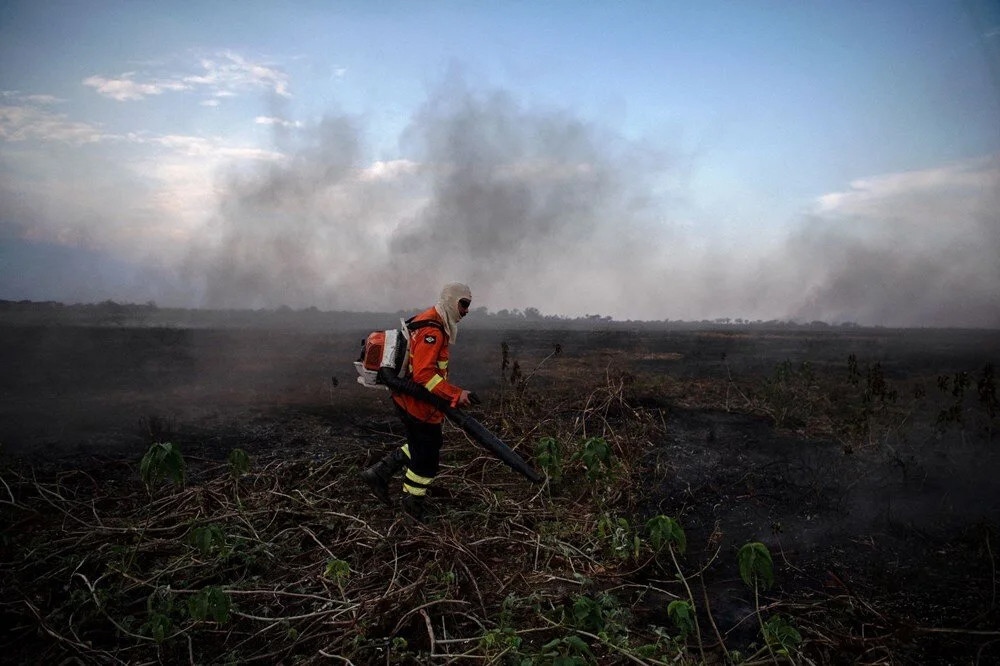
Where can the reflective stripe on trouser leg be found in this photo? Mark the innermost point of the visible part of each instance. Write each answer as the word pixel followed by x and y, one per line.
pixel 415 484
pixel 424 448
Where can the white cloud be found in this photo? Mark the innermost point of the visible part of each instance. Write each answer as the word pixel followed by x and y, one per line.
pixel 44 99
pixel 880 196
pixel 23 123
pixel 125 89
pixel 270 120
pixel 228 71
pixel 916 209
pixel 388 170
pixel 197 146
pixel 223 75
pixel 20 97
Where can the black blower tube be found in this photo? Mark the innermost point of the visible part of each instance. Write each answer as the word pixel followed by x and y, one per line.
pixel 470 425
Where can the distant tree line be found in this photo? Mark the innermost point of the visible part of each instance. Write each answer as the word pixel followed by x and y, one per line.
pixel 111 313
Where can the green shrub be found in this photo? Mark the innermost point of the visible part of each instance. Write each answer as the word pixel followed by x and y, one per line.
pixel 162 460
pixel 337 570
pixel 548 455
pixel 681 613
pixel 239 463
pixel 209 539
pixel 755 565
pixel 664 531
pixel 211 603
pixel 596 458
pixel 781 636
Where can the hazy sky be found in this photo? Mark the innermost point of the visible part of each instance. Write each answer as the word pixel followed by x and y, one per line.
pixel 647 160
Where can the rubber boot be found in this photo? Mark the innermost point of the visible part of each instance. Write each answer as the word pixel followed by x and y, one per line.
pixel 378 475
pixel 415 506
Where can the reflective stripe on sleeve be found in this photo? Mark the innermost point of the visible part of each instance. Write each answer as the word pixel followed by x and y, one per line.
pixel 434 381
pixel 406 450
pixel 442 365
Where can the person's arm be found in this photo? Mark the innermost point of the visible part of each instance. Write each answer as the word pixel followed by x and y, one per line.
pixel 425 351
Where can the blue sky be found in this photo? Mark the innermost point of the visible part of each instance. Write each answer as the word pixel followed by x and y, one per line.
pixel 683 159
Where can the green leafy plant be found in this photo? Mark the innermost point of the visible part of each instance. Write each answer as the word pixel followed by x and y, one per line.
pixel 665 531
pixel 595 454
pixel 781 636
pixel 209 539
pixel 618 534
pixel 157 627
pixel 757 570
pixel 504 639
pixel 548 455
pixel 681 613
pixel 756 566
pixel 211 603
pixel 588 614
pixel 163 460
pixel 666 648
pixel 337 570
pixel 239 463
pixel 566 651
pixel 158 624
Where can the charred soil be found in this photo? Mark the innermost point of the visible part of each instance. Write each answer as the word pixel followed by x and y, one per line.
pixel 865 462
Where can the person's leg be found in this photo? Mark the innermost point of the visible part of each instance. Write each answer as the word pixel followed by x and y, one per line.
pixel 425 451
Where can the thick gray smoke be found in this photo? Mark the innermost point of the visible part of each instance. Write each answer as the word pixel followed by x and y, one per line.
pixel 531 208
pixel 913 250
pixel 538 209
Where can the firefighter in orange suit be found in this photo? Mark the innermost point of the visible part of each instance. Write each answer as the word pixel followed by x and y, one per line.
pixel 431 332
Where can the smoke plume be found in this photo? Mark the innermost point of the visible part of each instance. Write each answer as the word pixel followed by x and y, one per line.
pixel 531 208
pixel 537 208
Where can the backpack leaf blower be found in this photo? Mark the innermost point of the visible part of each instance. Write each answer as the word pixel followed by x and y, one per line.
pixel 383 365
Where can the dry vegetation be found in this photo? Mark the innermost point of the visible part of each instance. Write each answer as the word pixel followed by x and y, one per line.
pixel 277 559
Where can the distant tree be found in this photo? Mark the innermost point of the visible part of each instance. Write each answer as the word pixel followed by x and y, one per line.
pixel 112 312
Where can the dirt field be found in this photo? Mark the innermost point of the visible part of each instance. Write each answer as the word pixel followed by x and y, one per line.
pixel 866 461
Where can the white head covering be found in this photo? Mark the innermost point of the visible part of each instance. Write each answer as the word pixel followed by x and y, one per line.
pixel 447 306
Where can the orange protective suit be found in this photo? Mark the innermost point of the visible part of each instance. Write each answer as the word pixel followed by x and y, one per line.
pixel 428 366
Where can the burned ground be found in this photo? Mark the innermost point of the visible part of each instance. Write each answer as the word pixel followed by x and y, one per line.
pixel 865 460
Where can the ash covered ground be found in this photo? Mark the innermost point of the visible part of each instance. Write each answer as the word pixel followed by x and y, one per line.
pixel 866 460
